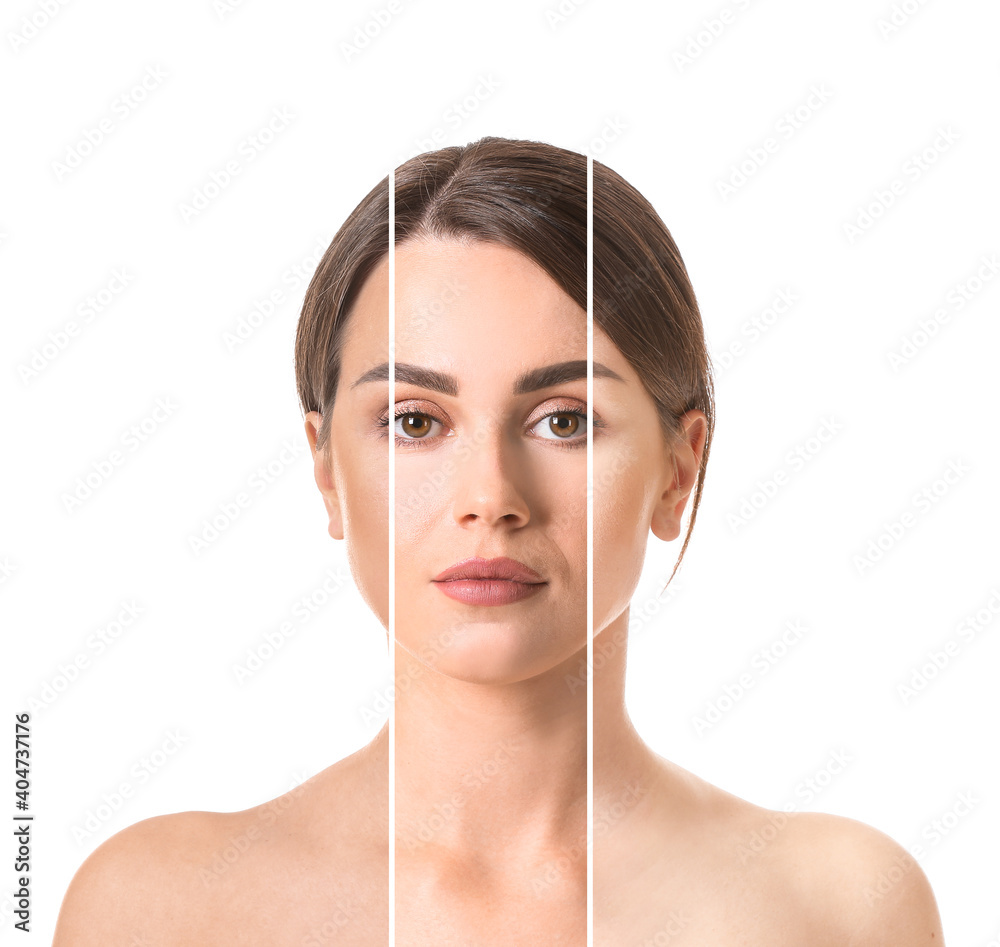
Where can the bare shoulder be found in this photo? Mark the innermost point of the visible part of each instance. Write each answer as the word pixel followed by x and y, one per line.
pixel 828 878
pixel 878 888
pixel 182 878
pixel 136 879
pixel 858 880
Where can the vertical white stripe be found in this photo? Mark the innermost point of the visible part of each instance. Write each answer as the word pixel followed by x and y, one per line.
pixel 392 557
pixel 590 550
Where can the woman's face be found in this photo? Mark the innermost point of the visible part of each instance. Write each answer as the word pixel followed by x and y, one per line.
pixel 490 459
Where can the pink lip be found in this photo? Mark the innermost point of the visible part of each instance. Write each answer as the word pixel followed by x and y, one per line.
pixel 489 581
pixel 509 570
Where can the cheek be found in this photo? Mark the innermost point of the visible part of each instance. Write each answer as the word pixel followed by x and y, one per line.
pixel 421 504
pixel 565 498
pixel 621 529
pixel 364 492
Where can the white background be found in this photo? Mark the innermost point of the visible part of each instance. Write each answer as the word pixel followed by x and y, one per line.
pixel 608 78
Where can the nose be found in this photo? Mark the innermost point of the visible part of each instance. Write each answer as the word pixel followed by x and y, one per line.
pixel 490 482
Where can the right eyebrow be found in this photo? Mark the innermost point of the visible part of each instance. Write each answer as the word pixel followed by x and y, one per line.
pixel 413 375
pixel 533 380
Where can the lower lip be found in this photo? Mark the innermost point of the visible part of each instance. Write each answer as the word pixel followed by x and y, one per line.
pixel 488 591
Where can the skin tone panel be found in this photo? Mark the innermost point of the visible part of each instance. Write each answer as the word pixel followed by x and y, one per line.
pixel 492 717
pixel 488 684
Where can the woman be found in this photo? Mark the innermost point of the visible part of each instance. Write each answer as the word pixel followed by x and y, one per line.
pixel 489 428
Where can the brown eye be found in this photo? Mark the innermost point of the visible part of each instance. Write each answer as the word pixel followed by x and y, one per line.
pixel 415 425
pixel 563 425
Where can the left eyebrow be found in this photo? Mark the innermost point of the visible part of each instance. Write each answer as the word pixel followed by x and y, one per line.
pixel 534 380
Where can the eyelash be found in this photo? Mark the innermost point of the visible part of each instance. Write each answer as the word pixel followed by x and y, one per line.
pixel 409 443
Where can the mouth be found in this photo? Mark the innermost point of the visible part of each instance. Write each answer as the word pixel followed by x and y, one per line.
pixel 500 581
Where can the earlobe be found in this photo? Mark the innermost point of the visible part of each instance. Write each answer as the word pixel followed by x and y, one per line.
pixel 684 462
pixel 323 474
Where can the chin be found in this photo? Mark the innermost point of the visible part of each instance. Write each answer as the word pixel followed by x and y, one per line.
pixel 494 652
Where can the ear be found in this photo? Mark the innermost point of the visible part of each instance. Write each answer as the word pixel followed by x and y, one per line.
pixel 682 465
pixel 323 472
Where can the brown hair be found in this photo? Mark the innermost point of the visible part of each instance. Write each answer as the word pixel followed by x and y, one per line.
pixel 531 197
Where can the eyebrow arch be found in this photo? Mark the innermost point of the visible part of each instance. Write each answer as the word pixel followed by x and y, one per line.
pixel 534 380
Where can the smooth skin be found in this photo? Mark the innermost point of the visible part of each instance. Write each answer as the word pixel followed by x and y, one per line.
pixel 491 704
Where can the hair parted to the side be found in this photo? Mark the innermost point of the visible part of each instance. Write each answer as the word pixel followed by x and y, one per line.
pixel 532 197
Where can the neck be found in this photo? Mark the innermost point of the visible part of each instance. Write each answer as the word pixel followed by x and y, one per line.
pixel 499 772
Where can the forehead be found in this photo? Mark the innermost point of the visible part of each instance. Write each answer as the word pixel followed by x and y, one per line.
pixel 445 288
pixel 480 311
pixel 481 298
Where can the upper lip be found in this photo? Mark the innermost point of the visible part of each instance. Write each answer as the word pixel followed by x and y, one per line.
pixel 500 568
